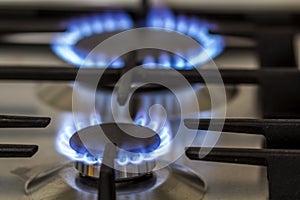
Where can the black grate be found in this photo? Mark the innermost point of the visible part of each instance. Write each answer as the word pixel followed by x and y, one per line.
pixel 281 159
pixel 16 150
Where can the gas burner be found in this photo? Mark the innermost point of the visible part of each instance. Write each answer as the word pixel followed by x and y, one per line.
pixel 136 176
pixel 174 181
pixel 65 45
pixel 89 123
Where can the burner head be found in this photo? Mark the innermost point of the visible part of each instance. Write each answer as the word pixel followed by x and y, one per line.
pixel 129 138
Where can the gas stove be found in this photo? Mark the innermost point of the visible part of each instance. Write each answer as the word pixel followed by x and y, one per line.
pixel 143 100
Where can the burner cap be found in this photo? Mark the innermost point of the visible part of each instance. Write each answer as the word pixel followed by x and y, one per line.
pixel 128 137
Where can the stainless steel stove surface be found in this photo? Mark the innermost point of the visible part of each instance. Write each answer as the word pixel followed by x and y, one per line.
pixel 225 181
pixel 50 174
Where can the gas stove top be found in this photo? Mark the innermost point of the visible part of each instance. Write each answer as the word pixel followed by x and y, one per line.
pixel 231 134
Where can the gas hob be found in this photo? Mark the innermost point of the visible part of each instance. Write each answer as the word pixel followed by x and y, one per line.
pixel 44 50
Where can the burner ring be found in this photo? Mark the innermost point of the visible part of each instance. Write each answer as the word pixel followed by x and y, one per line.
pixel 122 172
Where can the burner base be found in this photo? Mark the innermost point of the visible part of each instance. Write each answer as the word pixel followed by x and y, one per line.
pixel 172 182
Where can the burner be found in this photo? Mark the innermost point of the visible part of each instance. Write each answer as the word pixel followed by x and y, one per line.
pixel 67 45
pixel 91 142
pixel 173 181
pixel 92 122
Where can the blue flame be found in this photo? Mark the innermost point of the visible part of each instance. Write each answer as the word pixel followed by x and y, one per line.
pixel 64 44
pixel 124 158
pixel 64 135
pixel 164 61
pixel 149 62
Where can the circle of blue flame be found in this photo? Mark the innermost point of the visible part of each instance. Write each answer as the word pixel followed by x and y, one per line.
pixel 64 44
pixel 124 157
